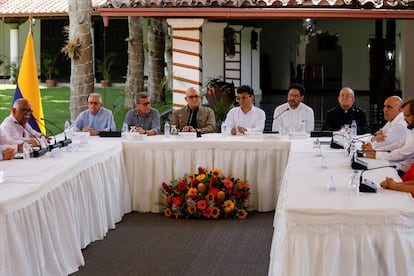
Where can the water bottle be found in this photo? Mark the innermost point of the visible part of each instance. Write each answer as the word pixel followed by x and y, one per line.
pixel 167 129
pixel 125 128
pixel 352 148
pixel 67 126
pixel 302 126
pixel 223 130
pixel 354 183
pixel 353 128
pixel 26 149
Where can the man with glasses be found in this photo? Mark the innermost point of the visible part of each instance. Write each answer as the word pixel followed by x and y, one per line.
pixel 145 119
pixel 245 117
pixel 16 126
pixel 96 118
pixel 194 117
pixel 401 151
pixel 345 113
pixel 288 116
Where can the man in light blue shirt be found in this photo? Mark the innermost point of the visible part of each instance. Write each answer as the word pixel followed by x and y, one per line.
pixel 96 118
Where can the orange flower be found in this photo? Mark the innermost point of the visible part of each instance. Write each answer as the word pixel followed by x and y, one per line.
pixel 221 195
pixel 190 176
pixel 228 206
pixel 216 172
pixel 202 188
pixel 192 192
pixel 215 212
pixel 242 214
pixel 191 209
pixel 178 201
pixel 242 184
pixel 167 212
pixel 207 212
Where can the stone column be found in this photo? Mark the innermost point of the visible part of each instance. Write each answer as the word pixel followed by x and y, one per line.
pixel 14 49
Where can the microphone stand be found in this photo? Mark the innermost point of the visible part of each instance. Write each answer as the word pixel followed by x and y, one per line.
pixel 367 186
pixel 64 142
pixel 52 146
pixel 35 152
pixel 280 114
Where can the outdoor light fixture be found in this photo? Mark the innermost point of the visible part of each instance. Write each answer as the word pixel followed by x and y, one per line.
pixel 389 55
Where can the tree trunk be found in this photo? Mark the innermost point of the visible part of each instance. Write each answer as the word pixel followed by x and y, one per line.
pixel 156 49
pixel 135 73
pixel 81 76
pixel 169 58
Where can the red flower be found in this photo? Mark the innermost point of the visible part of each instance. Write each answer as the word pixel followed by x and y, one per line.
pixel 165 187
pixel 202 204
pixel 202 170
pixel 168 199
pixel 207 212
pixel 177 201
pixel 237 195
pixel 182 186
pixel 214 191
pixel 194 182
pixel 245 195
pixel 213 181
pixel 228 183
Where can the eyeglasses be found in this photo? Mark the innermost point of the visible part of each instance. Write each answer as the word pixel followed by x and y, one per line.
pixel 145 104
pixel 294 96
pixel 26 110
pixel 193 97
pixel 238 98
pixel 346 96
pixel 94 103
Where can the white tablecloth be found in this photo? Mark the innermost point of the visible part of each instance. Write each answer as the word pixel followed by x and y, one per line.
pixel 317 232
pixel 51 208
pixel 155 160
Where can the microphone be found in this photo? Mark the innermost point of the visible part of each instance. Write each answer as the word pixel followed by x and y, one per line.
pixel 367 186
pixel 64 142
pixel 52 146
pixel 35 152
pixel 280 114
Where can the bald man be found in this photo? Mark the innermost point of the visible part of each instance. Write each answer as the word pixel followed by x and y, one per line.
pixel 194 117
pixel 396 126
pixel 345 113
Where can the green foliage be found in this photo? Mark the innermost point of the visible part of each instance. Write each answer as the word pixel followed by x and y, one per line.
pixel 48 65
pixel 104 66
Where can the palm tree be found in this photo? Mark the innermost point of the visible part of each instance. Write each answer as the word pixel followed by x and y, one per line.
pixel 135 73
pixel 156 62
pixel 81 76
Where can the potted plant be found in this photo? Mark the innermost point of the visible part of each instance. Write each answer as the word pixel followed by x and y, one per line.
pixel 104 67
pixel 220 97
pixel 48 68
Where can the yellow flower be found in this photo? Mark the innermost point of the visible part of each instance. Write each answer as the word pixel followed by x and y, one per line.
pixel 242 214
pixel 190 177
pixel 215 212
pixel 200 177
pixel 191 209
pixel 216 172
pixel 228 206
pixel 167 212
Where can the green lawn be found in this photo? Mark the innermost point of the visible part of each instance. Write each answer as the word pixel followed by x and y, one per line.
pixel 55 103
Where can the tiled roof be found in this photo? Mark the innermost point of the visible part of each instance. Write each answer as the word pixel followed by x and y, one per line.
pixel 16 8
pixel 259 3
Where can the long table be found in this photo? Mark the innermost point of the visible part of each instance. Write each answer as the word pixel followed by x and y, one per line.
pixel 317 232
pixel 51 208
pixel 261 161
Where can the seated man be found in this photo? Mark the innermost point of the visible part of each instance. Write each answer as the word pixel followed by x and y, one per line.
pixel 289 115
pixel 96 118
pixel 245 117
pixel 16 125
pixel 401 151
pixel 143 117
pixel 194 117
pixel 395 128
pixel 345 113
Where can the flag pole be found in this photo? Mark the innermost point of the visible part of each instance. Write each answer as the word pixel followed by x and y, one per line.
pixel 31 24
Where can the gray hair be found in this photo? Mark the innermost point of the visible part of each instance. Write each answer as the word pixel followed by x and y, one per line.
pixel 18 101
pixel 97 95
pixel 139 96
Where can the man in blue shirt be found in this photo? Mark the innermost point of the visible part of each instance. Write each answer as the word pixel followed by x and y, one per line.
pixel 145 119
pixel 96 118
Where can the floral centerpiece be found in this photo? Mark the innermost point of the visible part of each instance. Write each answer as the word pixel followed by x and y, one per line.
pixel 206 194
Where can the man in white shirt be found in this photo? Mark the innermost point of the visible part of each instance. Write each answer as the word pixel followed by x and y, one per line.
pixel 245 117
pixel 289 116
pixel 395 128
pixel 16 125
pixel 401 151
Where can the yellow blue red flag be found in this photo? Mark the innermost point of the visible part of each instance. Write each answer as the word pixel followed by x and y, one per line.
pixel 28 85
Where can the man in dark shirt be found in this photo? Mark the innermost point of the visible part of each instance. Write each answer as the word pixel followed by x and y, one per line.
pixel 345 112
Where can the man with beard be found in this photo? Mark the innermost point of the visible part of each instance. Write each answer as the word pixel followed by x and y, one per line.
pixel 289 116
pixel 401 151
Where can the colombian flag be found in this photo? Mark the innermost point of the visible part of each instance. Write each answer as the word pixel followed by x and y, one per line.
pixel 28 84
